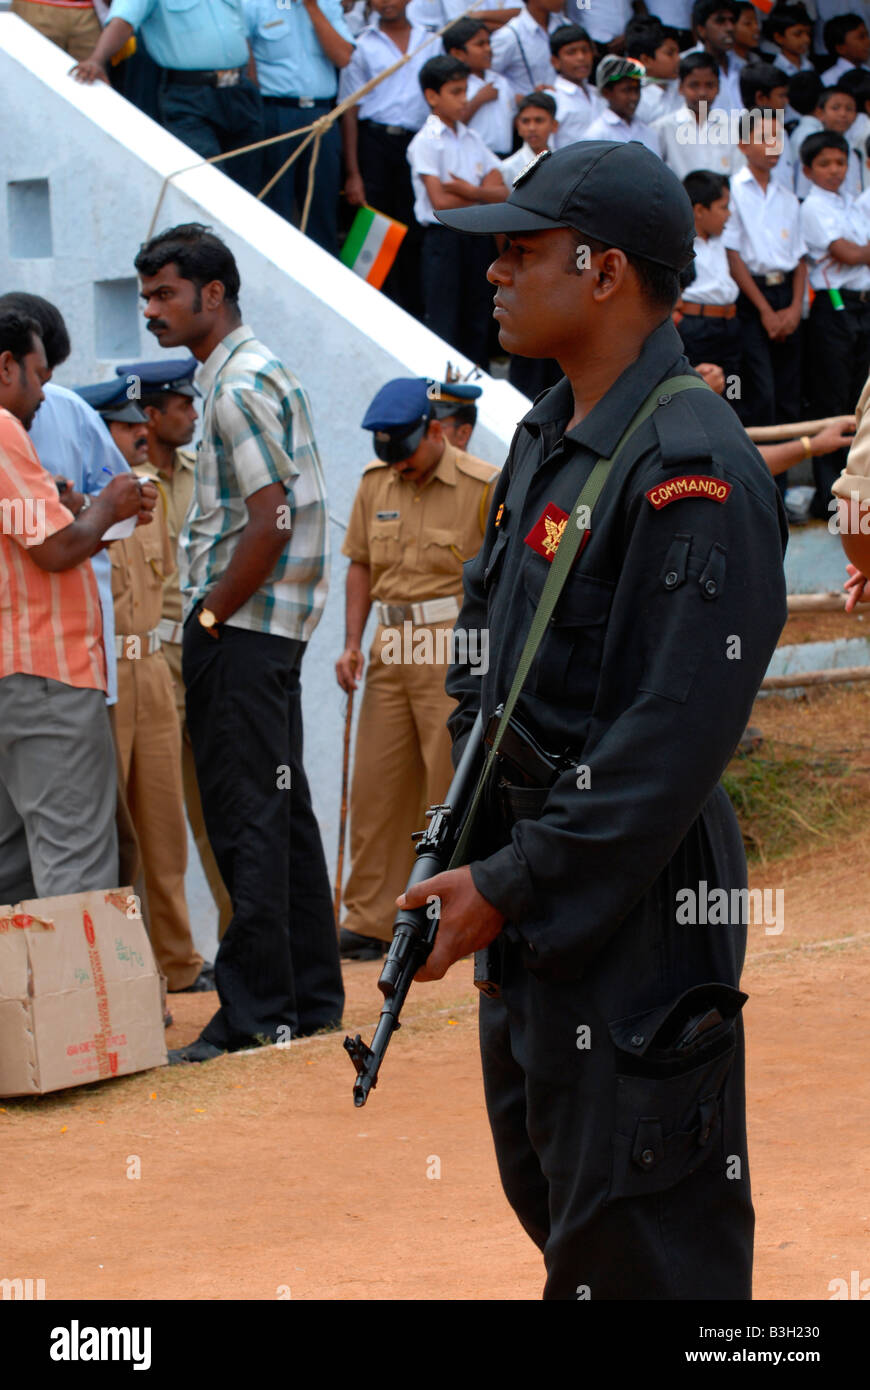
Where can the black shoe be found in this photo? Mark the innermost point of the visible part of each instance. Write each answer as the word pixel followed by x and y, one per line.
pixel 168 1020
pixel 198 1051
pixel 204 980
pixel 352 946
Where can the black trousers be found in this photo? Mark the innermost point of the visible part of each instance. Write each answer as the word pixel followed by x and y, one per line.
pixel 630 1174
pixel 838 360
pixel 214 120
pixel 771 372
pixel 457 296
pixel 288 194
pixel 386 174
pixel 714 340
pixel 277 967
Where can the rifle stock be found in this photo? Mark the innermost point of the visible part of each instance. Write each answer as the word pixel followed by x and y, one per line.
pixel 415 929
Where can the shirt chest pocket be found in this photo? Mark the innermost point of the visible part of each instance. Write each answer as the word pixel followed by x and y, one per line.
pixel 568 662
pixel 185 15
pixel 150 542
pixel 439 553
pixel 275 32
pixel 385 546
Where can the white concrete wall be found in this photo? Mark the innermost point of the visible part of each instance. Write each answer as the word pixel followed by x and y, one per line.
pixel 104 163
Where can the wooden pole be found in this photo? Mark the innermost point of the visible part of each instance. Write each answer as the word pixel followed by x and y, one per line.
pixel 342 825
pixel 770 434
pixel 833 677
pixel 815 603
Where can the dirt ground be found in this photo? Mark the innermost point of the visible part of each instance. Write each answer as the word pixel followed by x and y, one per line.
pixel 260 1180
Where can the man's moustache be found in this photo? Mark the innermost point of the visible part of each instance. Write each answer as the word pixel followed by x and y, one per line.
pixel 156 324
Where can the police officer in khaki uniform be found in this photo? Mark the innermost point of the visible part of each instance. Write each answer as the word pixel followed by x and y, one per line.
pixel 167 394
pixel 419 514
pixel 146 724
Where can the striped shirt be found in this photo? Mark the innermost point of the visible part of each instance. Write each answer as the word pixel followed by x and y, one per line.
pixel 50 624
pixel 256 430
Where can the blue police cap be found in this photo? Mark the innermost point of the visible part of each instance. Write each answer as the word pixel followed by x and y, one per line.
pixel 175 374
pixel 406 402
pixel 111 400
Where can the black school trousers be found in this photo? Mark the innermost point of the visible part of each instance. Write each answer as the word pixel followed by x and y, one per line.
pixel 277 968
pixel 714 340
pixel 838 360
pixel 771 372
pixel 457 297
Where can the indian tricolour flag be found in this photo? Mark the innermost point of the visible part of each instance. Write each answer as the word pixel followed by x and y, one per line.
pixel 372 244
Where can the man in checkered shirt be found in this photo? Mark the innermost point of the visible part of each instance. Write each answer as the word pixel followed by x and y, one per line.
pixel 253 559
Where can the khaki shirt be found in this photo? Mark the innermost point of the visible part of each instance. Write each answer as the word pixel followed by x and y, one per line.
pixel 140 565
pixel 855 477
pixel 415 540
pixel 176 491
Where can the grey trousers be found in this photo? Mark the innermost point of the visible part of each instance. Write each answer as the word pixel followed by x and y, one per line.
pixel 57 790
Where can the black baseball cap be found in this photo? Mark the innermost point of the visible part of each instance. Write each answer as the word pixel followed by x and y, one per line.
pixel 618 193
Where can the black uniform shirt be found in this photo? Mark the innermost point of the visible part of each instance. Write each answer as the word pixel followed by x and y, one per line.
pixel 654 654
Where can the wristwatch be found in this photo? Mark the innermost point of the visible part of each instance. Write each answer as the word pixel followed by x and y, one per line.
pixel 86 502
pixel 208 620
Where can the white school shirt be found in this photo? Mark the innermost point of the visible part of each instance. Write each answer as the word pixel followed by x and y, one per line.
pixel 863 203
pixel 438 150
pixel 576 109
pixel 764 226
pixel 658 99
pixel 516 162
pixel 602 19
pixel 831 76
pixel 824 218
pixel 683 150
pixel 609 126
pixel 857 138
pixel 713 282
pixel 494 121
pixel 398 100
pixel 674 14
pixel 521 51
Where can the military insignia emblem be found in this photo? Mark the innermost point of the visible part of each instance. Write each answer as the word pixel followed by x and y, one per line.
pixel 499 514
pixel 547 531
pixel 692 485
pixel 529 169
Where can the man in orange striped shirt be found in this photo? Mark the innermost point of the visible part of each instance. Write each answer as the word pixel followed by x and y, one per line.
pixel 57 760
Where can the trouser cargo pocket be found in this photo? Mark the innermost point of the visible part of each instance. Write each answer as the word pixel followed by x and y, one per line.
pixel 672 1064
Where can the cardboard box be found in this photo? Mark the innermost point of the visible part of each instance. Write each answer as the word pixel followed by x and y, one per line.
pixel 79 993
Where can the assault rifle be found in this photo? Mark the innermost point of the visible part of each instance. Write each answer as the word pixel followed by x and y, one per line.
pixel 414 929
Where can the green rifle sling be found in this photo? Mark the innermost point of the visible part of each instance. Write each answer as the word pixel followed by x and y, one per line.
pixel 569 544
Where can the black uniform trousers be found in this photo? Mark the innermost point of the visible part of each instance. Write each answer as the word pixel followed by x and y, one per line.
pixel 457 296
pixel 277 966
pixel 838 359
pixel 714 340
pixel 630 1174
pixel 383 164
pixel 214 120
pixel 283 114
pixel 770 374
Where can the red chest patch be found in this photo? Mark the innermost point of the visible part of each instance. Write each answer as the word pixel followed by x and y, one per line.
pixel 691 485
pixel 546 533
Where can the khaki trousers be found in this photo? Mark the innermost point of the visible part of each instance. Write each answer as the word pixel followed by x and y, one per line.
pixel 146 728
pixel 401 766
pixel 172 652
pixel 75 31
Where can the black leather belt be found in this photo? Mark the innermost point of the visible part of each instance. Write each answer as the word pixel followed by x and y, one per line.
pixel 390 129
pixel 855 296
pixel 212 77
pixel 304 102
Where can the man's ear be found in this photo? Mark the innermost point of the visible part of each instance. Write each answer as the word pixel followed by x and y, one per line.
pixel 611 272
pixel 7 363
pixel 151 413
pixel 463 434
pixel 213 295
pixel 435 432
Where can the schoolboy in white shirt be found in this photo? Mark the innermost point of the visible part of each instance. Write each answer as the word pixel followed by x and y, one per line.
pixel 837 235
pixel 491 107
pixel 697 136
pixel 708 302
pixel 618 80
pixel 451 167
pixel 578 101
